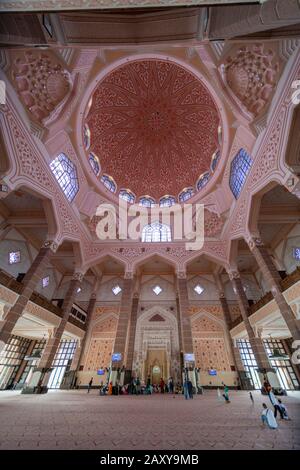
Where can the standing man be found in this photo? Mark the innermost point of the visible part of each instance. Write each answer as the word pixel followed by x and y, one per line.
pixel 186 390
pixel 190 388
pixel 90 384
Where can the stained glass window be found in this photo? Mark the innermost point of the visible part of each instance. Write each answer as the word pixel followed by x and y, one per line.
pixel 296 253
pixel 167 201
pixel 86 136
pixel 14 257
pixel 214 161
pixel 198 289
pixel 147 201
pixel 94 162
pixel 157 290
pixel 66 175
pixel 203 180
pixel 186 194
pixel 127 195
pixel 239 169
pixel 116 289
pixel 156 232
pixel 45 281
pixel 109 183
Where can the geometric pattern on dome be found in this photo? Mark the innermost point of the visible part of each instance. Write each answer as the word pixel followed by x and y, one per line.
pixel 154 126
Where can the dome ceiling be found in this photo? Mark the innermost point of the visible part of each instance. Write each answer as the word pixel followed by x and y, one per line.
pixel 153 126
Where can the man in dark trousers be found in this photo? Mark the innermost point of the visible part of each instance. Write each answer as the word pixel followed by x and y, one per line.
pixel 90 384
pixel 190 389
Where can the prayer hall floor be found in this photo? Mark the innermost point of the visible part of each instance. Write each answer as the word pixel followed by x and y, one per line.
pixel 78 420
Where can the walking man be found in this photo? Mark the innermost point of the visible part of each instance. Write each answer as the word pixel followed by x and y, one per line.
pixel 90 384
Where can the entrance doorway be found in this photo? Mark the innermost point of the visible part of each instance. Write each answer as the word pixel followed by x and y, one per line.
pixel 157 365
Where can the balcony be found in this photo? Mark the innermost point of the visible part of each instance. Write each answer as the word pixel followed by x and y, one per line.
pixel 11 283
pixel 285 283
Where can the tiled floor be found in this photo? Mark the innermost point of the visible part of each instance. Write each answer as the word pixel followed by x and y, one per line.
pixel 77 420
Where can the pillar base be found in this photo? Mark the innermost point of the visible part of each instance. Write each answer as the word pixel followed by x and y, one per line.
pixel 127 377
pixel 245 381
pixel 271 376
pixel 68 380
pixel 38 390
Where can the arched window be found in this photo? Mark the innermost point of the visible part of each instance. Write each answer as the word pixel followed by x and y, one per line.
pixel 220 134
pixel 109 183
pixel 94 162
pixel 127 195
pixel 147 201
pixel 186 194
pixel 66 174
pixel 215 159
pixel 156 232
pixel 239 170
pixel 86 136
pixel 167 201
pixel 203 180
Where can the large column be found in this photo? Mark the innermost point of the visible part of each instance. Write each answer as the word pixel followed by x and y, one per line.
pixel 131 336
pixel 238 363
pixel 185 323
pixel 31 279
pixel 273 279
pixel 71 379
pixel 122 328
pixel 257 345
pixel 42 372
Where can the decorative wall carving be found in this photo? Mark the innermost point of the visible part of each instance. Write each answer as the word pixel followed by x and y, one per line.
pixel 41 82
pixel 252 74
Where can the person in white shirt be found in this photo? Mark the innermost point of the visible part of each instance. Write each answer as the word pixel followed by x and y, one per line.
pixel 267 417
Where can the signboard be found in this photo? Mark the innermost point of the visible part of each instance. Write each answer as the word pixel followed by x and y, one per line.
pixel 212 372
pixel 116 357
pixel 100 372
pixel 189 357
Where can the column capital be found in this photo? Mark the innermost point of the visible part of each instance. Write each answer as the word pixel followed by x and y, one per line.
pixel 52 244
pixel 181 274
pixel 233 274
pixel 128 275
pixel 254 242
pixel 77 276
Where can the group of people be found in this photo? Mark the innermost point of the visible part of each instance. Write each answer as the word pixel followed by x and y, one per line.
pixel 268 416
pixel 138 387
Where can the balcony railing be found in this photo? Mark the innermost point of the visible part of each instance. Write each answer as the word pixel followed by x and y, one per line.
pixel 268 297
pixel 287 282
pixel 290 279
pixel 11 283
